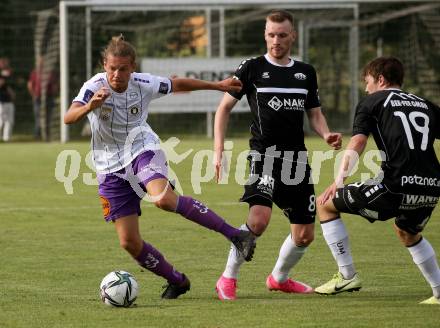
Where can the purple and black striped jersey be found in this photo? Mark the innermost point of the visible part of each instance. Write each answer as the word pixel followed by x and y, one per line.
pixel 404 127
pixel 119 128
pixel 278 96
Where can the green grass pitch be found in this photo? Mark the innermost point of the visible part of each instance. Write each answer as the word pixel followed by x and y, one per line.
pixel 55 248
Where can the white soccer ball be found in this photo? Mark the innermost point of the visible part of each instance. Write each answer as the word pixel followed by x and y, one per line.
pixel 119 288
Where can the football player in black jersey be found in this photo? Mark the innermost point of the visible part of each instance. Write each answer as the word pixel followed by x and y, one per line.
pixel 279 91
pixel 404 127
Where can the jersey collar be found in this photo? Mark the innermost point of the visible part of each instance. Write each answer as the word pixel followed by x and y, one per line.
pixel 290 64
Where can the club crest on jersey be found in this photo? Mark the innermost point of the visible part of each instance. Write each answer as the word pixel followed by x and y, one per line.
pixel 105 113
pixel 300 76
pixel 265 75
pixel 134 110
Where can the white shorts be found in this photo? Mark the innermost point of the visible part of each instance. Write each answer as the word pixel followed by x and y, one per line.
pixel 7 112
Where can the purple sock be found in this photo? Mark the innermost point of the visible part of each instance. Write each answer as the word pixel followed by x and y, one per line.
pixel 198 212
pixel 151 259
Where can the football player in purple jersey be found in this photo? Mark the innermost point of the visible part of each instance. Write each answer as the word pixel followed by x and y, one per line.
pixel 128 158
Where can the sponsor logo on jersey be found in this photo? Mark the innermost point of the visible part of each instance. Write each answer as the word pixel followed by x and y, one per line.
pixel 405 99
pixel 141 80
pixel 88 95
pixel 265 75
pixel 416 201
pixel 287 103
pixel 420 181
pixel 275 103
pixel 105 113
pixel 300 76
pixel 407 103
pixel 133 95
pixel 163 88
pixel 266 184
pixel 134 110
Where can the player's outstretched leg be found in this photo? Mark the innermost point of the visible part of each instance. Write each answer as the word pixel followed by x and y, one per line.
pixel 196 211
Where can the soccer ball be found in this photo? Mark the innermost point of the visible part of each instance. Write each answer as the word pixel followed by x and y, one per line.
pixel 119 288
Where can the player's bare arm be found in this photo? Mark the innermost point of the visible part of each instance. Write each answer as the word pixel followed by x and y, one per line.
pixel 227 85
pixel 319 124
pixel 77 110
pixel 220 124
pixel 352 152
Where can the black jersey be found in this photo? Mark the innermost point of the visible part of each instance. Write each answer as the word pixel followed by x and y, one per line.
pixel 405 127
pixel 278 96
pixel 5 94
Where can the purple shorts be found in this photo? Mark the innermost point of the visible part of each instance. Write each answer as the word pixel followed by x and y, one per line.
pixel 121 192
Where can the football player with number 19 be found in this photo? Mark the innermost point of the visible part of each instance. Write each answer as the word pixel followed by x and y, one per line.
pixel 279 91
pixel 129 161
pixel 404 127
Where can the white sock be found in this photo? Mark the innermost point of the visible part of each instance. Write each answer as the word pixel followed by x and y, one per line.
pixel 424 257
pixel 235 260
pixel 289 256
pixel 336 237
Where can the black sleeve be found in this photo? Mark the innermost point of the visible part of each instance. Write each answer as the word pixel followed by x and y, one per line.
pixel 364 121
pixel 312 100
pixel 243 74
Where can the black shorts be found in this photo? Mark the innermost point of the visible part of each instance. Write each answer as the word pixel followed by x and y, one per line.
pixel 286 184
pixel 375 202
